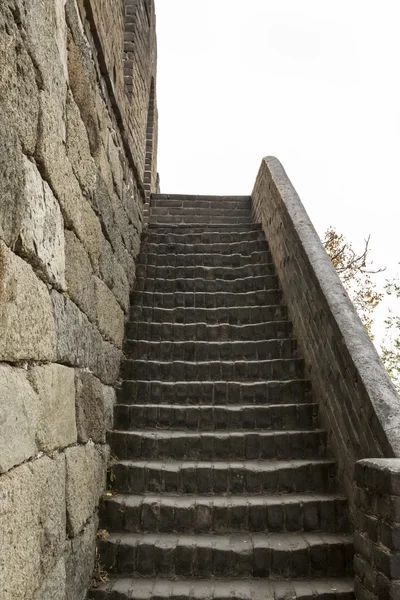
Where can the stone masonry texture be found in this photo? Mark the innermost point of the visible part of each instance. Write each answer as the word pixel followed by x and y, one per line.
pixel 189 404
pixel 77 81
pixel 221 483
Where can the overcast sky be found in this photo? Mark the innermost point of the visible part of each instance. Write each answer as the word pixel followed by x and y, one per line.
pixel 315 83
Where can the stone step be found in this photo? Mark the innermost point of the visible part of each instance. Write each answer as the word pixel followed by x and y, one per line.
pixel 225 514
pixel 232 445
pixel 188 299
pixel 199 221
pixel 211 205
pixel 245 315
pixel 210 273
pixel 207 259
pixel 223 477
pixel 240 370
pixel 185 211
pixel 206 286
pixel 231 229
pixel 157 235
pixel 210 351
pixel 215 392
pixel 274 555
pixel 248 247
pixel 211 589
pixel 215 418
pixel 194 197
pixel 143 330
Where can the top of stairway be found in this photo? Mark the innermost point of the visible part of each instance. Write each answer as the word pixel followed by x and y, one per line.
pixel 197 197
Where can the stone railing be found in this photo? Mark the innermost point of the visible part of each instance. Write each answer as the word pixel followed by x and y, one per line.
pixel 359 406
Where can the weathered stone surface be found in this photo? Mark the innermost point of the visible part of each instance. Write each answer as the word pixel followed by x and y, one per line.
pixel 12 184
pixel 27 328
pixel 78 149
pixel 79 561
pixel 110 316
pixel 55 386
pixel 18 417
pixel 80 344
pixel 79 274
pixel 82 77
pixel 94 408
pixel 41 237
pixel 19 95
pixel 86 480
pixel 53 587
pixel 113 274
pixel 32 525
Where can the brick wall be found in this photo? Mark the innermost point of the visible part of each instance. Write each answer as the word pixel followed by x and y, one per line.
pixel 72 155
pixel 358 403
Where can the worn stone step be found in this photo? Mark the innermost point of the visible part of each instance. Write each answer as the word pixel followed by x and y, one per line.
pixel 210 351
pixel 225 514
pixel 178 235
pixel 189 200
pixel 192 219
pixel 223 477
pixel 243 315
pixel 247 247
pixel 233 230
pixel 188 299
pixel 210 205
pixel 200 272
pixel 215 392
pixel 192 197
pixel 240 370
pixel 256 285
pixel 215 418
pixel 232 445
pixel 185 211
pixel 210 259
pixel 211 589
pixel 143 330
pixel 273 555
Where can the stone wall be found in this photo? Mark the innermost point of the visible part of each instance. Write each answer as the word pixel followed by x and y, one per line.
pixel 359 406
pixel 72 157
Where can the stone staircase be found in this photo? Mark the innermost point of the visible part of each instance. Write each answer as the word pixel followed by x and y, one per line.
pixel 223 486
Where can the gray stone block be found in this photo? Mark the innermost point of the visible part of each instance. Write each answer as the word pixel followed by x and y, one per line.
pixel 27 328
pixel 32 522
pixel 80 561
pixel 86 477
pixel 55 387
pixel 94 408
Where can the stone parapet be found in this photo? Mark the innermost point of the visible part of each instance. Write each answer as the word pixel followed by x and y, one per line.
pixel 377 529
pixel 359 405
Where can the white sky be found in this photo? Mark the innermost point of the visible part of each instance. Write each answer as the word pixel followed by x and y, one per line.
pixel 315 83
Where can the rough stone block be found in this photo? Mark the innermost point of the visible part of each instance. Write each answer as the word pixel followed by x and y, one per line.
pixel 86 480
pixel 78 149
pixel 41 237
pixel 80 344
pixel 27 328
pixel 79 561
pixel 55 386
pixel 18 418
pixel 19 95
pixel 79 273
pixel 32 525
pixel 53 587
pixel 94 407
pixel 110 316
